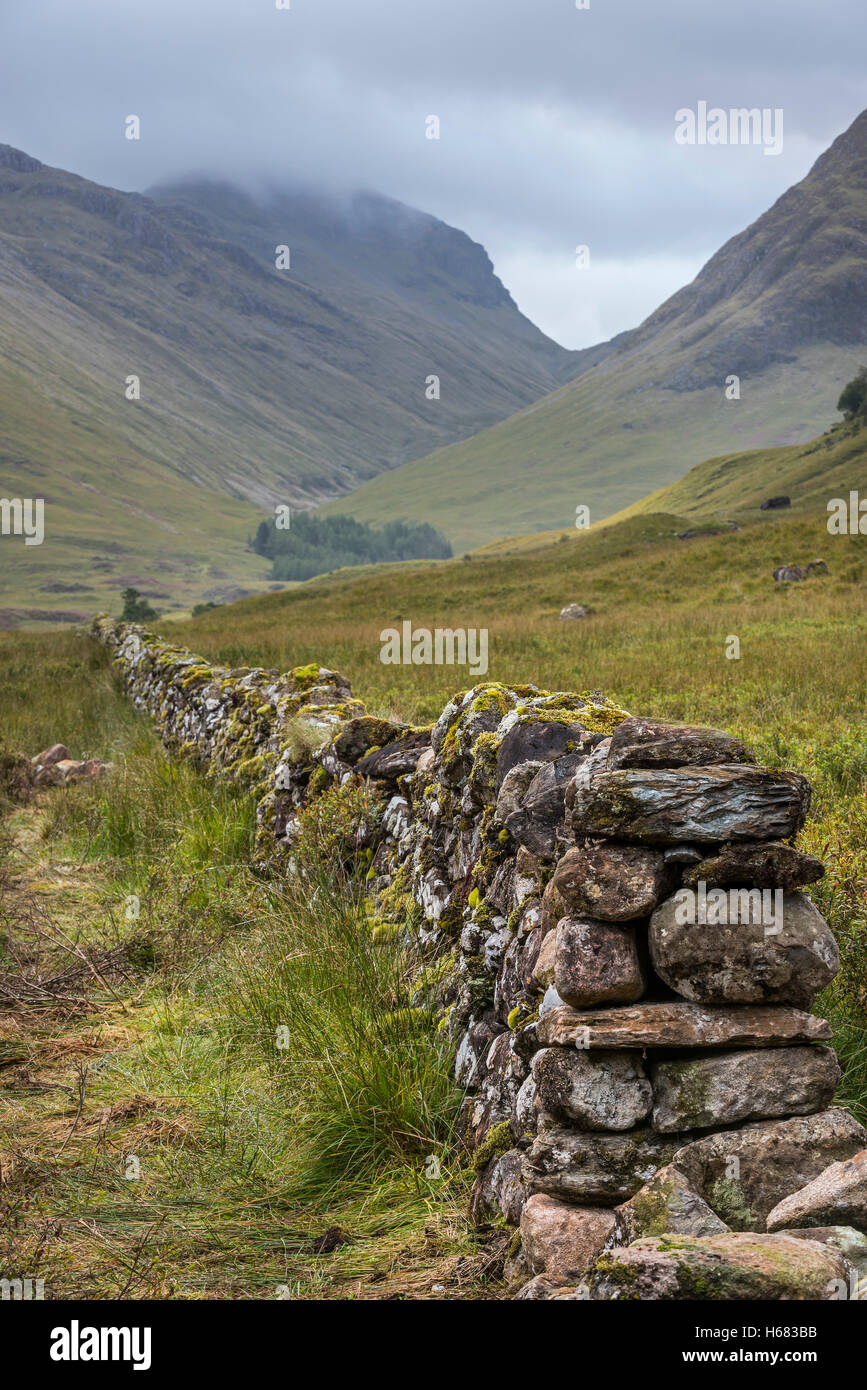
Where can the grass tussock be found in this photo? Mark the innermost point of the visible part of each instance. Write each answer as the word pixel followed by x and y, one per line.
pixel 332 1012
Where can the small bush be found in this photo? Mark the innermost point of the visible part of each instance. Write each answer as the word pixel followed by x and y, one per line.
pixel 853 398
pixel 16 776
pixel 338 824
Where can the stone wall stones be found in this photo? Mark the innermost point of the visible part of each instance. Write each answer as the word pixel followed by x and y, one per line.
pixel 746 961
pixel 534 848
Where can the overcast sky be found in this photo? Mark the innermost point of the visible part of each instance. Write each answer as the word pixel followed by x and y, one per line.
pixel 556 124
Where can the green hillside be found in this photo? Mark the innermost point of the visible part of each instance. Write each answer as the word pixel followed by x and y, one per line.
pixel 655 603
pixel 783 306
pixel 732 488
pixel 735 486
pixel 258 386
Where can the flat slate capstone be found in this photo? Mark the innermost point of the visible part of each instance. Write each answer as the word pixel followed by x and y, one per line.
pixel 704 805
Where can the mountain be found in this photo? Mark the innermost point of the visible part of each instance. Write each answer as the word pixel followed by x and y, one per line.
pixel 258 385
pixel 783 306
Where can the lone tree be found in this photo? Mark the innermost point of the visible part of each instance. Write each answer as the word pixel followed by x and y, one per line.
pixel 262 539
pixel 135 608
pixel 853 399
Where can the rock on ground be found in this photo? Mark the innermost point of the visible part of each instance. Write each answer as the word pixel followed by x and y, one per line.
pixel 737 1265
pixel 58 752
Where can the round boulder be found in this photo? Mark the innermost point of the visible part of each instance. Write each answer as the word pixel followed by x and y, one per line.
pixel 745 951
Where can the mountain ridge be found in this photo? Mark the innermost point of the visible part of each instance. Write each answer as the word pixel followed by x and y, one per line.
pixel 257 387
pixel 782 305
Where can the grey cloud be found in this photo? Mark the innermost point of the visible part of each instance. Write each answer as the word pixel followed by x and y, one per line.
pixel 557 124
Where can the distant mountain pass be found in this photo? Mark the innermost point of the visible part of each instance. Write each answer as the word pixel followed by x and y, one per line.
pixel 782 307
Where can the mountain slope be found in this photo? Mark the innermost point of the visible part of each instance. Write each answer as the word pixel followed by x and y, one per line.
pixel 734 487
pixel 258 385
pixel 731 489
pixel 783 306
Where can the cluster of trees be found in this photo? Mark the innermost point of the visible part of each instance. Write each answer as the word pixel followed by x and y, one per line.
pixel 853 399
pixel 313 545
pixel 136 609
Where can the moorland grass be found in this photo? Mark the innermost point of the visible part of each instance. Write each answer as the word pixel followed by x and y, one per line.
pixel 258 1056
pixel 248 1149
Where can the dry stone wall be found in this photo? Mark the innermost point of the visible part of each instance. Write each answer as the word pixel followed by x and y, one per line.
pixel 611 910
